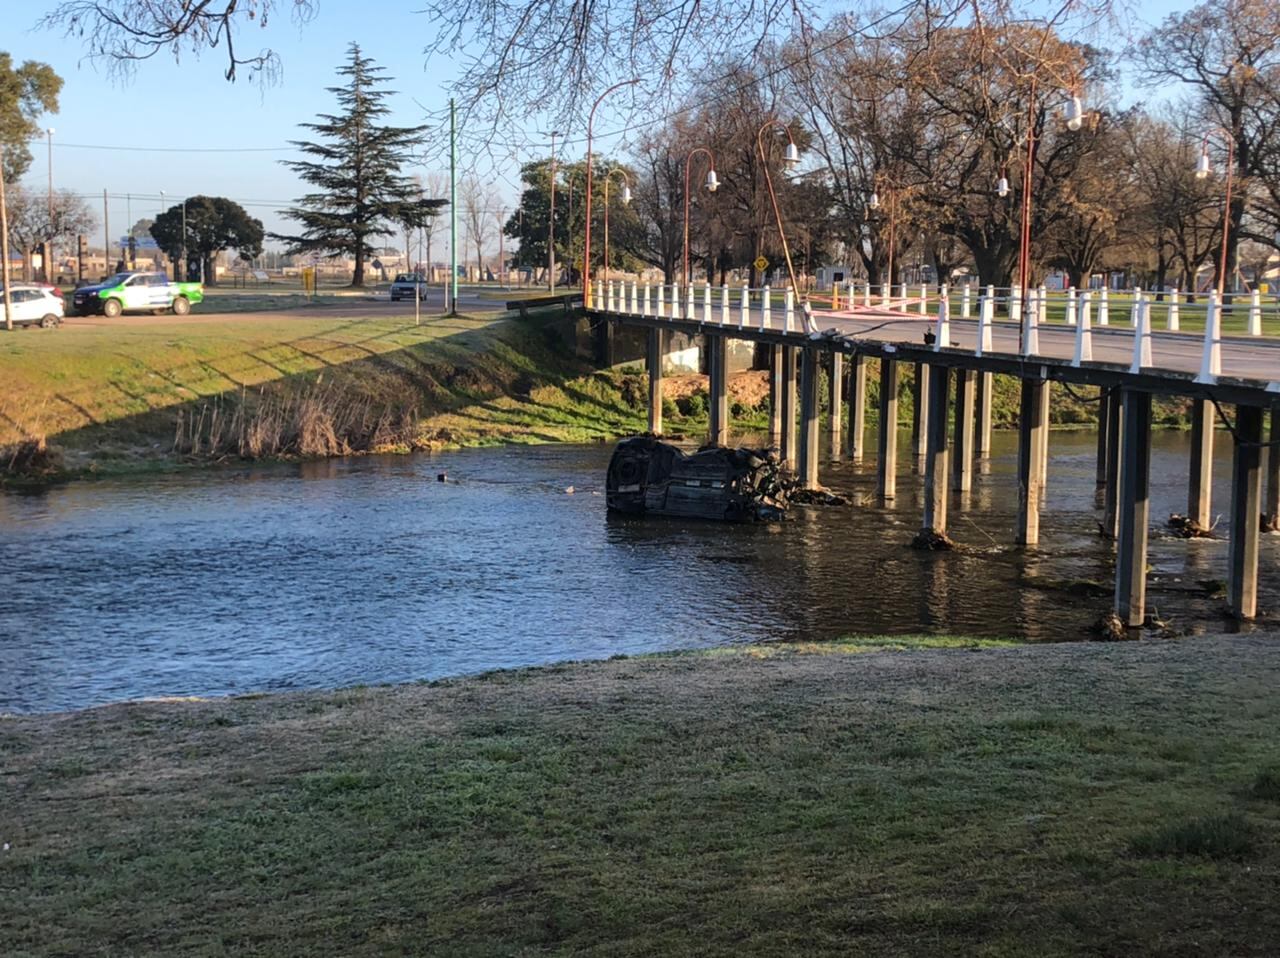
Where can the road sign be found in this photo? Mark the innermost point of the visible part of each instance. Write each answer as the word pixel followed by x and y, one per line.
pixel 761 263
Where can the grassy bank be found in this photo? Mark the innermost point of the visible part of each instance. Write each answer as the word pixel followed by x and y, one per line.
pixel 1060 800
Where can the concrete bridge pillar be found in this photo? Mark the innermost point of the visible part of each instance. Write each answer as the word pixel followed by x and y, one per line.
pixel 654 355
pixel 966 388
pixel 1111 492
pixel 1271 518
pixel 985 399
pixel 857 406
pixel 1043 460
pixel 920 413
pixel 808 445
pixel 1246 496
pixel 835 404
pixel 1031 428
pixel 1200 484
pixel 787 445
pixel 1135 507
pixel 718 368
pixel 887 467
pixel 1100 464
pixel 775 397
pixel 935 463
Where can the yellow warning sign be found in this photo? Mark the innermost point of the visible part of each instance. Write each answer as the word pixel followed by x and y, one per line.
pixel 761 263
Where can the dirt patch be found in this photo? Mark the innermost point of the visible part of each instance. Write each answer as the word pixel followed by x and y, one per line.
pixel 751 388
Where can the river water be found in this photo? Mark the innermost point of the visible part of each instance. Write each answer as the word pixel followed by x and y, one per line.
pixel 369 570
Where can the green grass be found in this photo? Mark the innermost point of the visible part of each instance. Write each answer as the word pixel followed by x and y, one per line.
pixel 1060 800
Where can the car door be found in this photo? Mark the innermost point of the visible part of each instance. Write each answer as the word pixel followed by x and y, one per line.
pixel 20 302
pixel 158 285
pixel 137 292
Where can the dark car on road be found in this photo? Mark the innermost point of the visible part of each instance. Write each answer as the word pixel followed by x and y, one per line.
pixel 406 284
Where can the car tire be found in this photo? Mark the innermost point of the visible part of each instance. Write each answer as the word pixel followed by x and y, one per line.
pixel 49 321
pixel 112 308
pixel 181 306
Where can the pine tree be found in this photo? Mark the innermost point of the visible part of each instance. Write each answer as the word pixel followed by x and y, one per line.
pixel 360 190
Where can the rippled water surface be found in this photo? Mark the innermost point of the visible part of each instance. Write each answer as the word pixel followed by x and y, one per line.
pixel 368 570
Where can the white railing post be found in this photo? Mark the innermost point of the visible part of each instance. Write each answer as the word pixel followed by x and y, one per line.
pixel 706 301
pixel 789 313
pixel 632 307
pixel 1070 315
pixel 924 300
pixel 964 302
pixel 1031 327
pixel 1255 314
pixel 1044 305
pixel 1084 332
pixel 724 304
pixel 691 308
pixel 1141 334
pixel 1172 320
pixel 610 303
pixel 675 300
pixel 1211 361
pixel 986 313
pixel 766 308
pixel 1015 304
pixel 1104 309
pixel 645 301
pixel 903 296
pixel 866 294
pixel 1133 307
pixel 942 331
pixel 744 314
pixel 599 302
pixel 661 307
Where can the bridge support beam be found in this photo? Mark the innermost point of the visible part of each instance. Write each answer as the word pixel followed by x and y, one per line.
pixel 718 368
pixel 857 406
pixel 808 445
pixel 887 466
pixel 787 444
pixel 1043 478
pixel 1031 429
pixel 985 398
pixel 920 413
pixel 1135 507
pixel 604 343
pixel 962 471
pixel 1104 420
pixel 836 405
pixel 1246 495
pixel 775 398
pixel 1111 492
pixel 653 359
pixel 935 461
pixel 1271 518
pixel 1200 484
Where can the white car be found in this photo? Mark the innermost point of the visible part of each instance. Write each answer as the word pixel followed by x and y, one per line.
pixel 35 306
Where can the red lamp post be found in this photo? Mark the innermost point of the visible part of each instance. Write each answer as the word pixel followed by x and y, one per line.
pixel 711 183
pixel 791 158
pixel 586 244
pixel 1203 168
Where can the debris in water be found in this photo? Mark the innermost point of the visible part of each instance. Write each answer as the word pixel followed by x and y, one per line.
pixel 1187 528
pixel 816 497
pixel 568 490
pixel 930 541
pixel 441 477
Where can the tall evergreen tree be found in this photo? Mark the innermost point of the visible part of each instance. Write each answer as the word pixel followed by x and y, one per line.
pixel 356 171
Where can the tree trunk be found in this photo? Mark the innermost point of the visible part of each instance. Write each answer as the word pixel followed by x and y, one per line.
pixel 210 269
pixel 357 272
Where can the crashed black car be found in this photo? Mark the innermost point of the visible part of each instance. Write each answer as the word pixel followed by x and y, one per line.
pixel 651 477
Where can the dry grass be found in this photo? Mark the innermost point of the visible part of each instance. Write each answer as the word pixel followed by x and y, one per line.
pixel 1061 800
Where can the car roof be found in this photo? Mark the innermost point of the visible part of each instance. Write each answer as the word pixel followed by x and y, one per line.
pixel 16 286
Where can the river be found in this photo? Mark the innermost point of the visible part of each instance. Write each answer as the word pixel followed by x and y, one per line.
pixel 368 570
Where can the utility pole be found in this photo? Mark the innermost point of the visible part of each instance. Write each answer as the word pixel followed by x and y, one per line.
pixel 551 221
pixel 106 238
pixel 48 249
pixel 453 209
pixel 4 246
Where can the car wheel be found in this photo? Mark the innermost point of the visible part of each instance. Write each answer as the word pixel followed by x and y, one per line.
pixel 49 321
pixel 112 308
pixel 181 306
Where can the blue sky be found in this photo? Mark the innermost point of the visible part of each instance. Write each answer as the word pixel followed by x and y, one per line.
pixel 244 126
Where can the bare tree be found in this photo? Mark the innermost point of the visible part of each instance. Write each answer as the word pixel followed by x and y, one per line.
pixel 30 226
pixel 478 203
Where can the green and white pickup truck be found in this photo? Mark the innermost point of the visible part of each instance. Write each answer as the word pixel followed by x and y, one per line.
pixel 135 292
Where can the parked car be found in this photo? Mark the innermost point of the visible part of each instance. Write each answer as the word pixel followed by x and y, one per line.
pixel 405 284
pixel 35 305
pixel 136 292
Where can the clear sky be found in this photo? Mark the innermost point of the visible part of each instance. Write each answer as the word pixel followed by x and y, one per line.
pixel 183 129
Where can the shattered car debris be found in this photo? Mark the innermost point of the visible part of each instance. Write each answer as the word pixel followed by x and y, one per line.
pixel 651 477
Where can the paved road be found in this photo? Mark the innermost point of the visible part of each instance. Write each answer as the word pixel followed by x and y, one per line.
pixel 354 307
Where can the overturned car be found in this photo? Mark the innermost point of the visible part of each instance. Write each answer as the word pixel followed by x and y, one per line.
pixel 651 477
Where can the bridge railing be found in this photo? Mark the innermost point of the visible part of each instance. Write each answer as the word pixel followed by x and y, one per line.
pixel 1252 313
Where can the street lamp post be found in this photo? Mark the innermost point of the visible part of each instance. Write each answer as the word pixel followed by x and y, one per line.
pixel 874 203
pixel 711 184
pixel 551 221
pixel 626 200
pixel 1203 168
pixel 791 158
pixel 586 242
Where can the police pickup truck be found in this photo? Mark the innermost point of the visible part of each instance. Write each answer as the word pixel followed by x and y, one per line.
pixel 136 292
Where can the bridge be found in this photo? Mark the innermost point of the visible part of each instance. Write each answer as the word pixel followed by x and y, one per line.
pixel 955 357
